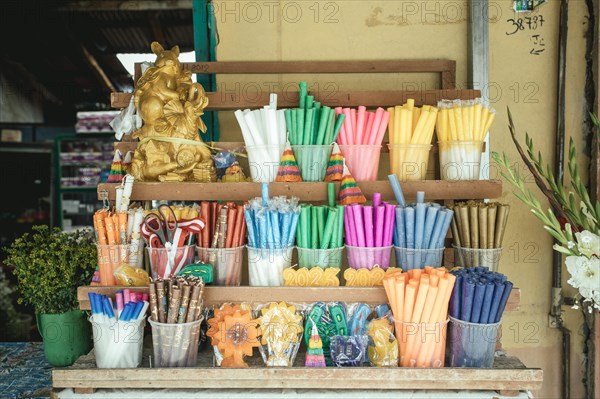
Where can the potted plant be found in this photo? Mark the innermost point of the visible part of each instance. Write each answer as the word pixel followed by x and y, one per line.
pixel 49 266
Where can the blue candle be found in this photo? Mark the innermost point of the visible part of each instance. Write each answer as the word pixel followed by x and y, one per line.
pixel 496 299
pixel 265 194
pixel 420 197
pixel 419 225
pixel 455 298
pixel 409 223
pixel 437 229
pixel 292 231
pixel 467 299
pixel 487 303
pixel 397 189
pixel 274 217
pixel 250 227
pixel 401 236
pixel 430 218
pixel 507 289
pixel 445 227
pixel 477 301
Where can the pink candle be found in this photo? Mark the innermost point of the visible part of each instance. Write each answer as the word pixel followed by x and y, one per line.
pixel 126 296
pixel 376 200
pixel 382 126
pixel 348 126
pixel 349 226
pixel 354 127
pixel 375 126
pixel 379 223
pixel 360 124
pixel 368 220
pixel 119 300
pixel 359 225
pixel 368 127
pixel 388 229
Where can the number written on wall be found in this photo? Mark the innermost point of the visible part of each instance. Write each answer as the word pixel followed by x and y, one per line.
pixel 530 25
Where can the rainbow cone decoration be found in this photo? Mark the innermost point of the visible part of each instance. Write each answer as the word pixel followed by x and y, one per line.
pixel 288 167
pixel 127 161
pixel 350 193
pixel 314 353
pixel 335 166
pixel 116 169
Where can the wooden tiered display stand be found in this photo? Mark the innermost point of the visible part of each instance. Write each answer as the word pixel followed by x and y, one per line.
pixel 508 376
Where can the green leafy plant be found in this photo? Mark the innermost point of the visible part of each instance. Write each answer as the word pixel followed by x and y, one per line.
pixel 50 265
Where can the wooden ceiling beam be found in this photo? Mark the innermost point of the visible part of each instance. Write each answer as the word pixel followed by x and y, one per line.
pixel 127 5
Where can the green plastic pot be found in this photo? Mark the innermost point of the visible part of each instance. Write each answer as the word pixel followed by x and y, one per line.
pixel 66 336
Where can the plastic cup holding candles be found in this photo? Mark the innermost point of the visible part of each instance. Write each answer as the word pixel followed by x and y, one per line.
pixel 266 265
pixel 227 264
pixel 362 160
pixel 369 257
pixel 175 344
pixel 409 161
pixel 312 161
pixel 472 344
pixel 263 161
pixel 323 258
pixel 422 344
pixel 460 160
pixel 118 345
pixel 167 262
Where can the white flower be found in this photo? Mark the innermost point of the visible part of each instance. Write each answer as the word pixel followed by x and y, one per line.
pixel 585 276
pixel 588 243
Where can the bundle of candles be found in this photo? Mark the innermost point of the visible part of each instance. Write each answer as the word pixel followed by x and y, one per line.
pixel 362 127
pixel 463 120
pixel 410 132
pixel 176 312
pixel 271 223
pixel 263 126
pixel 419 301
pixel 311 124
pixel 479 225
pixel 115 344
pixel 119 239
pixel 479 295
pixel 225 227
pixel 320 227
pixel 461 129
pixel 370 226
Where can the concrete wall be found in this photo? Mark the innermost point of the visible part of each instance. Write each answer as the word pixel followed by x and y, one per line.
pixel 522 76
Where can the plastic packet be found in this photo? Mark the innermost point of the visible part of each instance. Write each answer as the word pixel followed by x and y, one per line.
pixel 281 332
pixel 348 351
pixel 126 122
pixel 130 276
pixel 383 346
pixel 331 319
pixel 233 334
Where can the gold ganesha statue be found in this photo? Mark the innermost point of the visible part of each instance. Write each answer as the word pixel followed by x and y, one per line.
pixel 170 105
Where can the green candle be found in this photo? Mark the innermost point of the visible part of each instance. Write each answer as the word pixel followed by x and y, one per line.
pixel 330 228
pixel 303 93
pixel 331 194
pixel 323 125
pixel 300 126
pixel 310 114
pixel 314 235
pixel 340 226
pixel 337 127
pixel 310 101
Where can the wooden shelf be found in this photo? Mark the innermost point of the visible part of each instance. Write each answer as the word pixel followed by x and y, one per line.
pixel 509 376
pixel 314 192
pixel 216 296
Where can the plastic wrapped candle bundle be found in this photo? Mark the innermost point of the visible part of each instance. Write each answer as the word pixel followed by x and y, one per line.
pixel 271 225
pixel 264 132
pixel 281 328
pixel 410 131
pixel 478 300
pixel 369 233
pixel 419 302
pixel 478 232
pixel 118 333
pixel 461 128
pixel 360 140
pixel 421 229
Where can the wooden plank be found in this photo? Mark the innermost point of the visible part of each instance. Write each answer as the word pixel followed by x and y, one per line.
pixel 223 101
pixel 298 67
pixel 215 296
pixel 512 379
pixel 306 191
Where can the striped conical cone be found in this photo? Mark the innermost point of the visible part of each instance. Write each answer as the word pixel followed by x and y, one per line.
pixel 288 167
pixel 116 169
pixel 127 160
pixel 350 193
pixel 314 354
pixel 335 166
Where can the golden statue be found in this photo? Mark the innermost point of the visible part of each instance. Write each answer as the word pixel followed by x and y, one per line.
pixel 170 105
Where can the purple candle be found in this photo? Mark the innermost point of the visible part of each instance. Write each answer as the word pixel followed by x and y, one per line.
pixel 359 225
pixel 368 220
pixel 379 221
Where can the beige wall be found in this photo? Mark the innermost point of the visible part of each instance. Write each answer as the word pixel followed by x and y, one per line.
pixel 348 30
